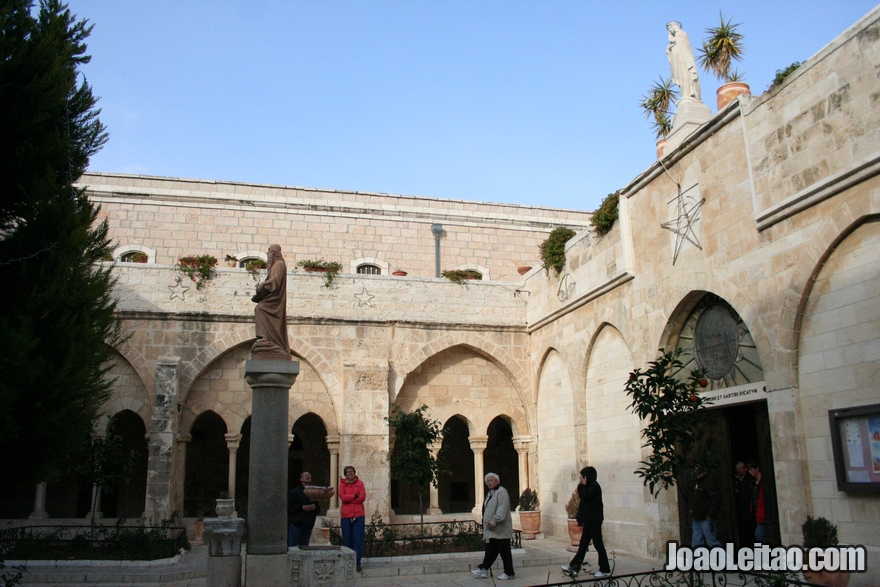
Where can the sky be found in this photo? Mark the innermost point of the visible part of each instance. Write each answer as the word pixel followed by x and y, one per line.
pixel 522 102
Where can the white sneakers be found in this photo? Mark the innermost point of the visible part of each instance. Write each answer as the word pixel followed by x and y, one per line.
pixel 481 573
pixel 599 574
pixel 505 577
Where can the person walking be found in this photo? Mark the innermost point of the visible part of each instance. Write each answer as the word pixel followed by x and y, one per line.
pixel 352 494
pixel 590 515
pixel 759 503
pixel 497 530
pixel 704 509
pixel 301 513
pixel 742 487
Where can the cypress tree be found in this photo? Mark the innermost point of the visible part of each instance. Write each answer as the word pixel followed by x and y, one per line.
pixel 58 327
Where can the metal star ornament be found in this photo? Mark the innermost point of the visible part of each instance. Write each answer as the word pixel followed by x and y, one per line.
pixel 178 291
pixel 687 214
pixel 364 298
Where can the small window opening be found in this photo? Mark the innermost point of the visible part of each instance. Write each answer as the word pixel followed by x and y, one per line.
pixel 369 269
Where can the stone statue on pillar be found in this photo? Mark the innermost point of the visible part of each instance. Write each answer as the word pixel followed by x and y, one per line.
pixel 690 112
pixel 271 311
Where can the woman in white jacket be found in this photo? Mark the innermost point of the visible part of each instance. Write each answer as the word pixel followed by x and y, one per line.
pixel 497 529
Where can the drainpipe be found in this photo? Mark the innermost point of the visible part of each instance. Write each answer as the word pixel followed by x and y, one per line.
pixel 436 230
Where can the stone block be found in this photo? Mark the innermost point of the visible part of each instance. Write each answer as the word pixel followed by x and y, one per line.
pixel 322 566
pixel 267 570
pixel 224 571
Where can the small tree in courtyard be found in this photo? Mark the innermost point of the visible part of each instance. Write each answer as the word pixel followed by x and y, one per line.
pixel 412 460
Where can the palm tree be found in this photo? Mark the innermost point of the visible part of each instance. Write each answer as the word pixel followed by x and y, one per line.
pixel 723 46
pixel 656 105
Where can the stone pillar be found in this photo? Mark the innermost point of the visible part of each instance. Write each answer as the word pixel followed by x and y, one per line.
pixel 478 445
pixel 232 443
pixel 523 444
pixel 224 551
pixel 163 429
pixel 39 512
pixel 95 503
pixel 267 494
pixel 333 447
pixel 434 492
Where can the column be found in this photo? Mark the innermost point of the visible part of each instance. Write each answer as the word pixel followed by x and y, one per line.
pixel 163 429
pixel 434 492
pixel 232 443
pixel 267 496
pixel 95 503
pixel 333 447
pixel 39 512
pixel 523 444
pixel 478 445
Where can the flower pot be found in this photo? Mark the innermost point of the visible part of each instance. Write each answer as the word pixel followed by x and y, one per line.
pixel 325 534
pixel 574 532
pixel 399 273
pixel 316 269
pixel 661 148
pixel 530 522
pixel 730 91
pixel 232 263
pixel 224 508
pixel 318 493
pixel 836 579
pixel 523 270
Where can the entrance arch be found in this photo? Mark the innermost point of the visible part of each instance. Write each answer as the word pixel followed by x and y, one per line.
pixel 128 500
pixel 207 465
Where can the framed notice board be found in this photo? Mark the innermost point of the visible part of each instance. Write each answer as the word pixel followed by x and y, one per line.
pixel 855 440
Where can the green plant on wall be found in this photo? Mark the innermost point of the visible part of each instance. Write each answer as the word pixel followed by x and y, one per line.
pixel 782 74
pixel 199 268
pixel 656 104
pixel 670 408
pixel 330 269
pixel 459 276
pixel 723 46
pixel 552 250
pixel 604 217
pixel 254 266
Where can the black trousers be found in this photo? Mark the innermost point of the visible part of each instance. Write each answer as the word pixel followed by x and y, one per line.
pixel 497 546
pixel 592 531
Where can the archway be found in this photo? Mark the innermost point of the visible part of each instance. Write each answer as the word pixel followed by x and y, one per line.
pixel 207 465
pixel 308 452
pixel 500 457
pixel 456 489
pixel 127 500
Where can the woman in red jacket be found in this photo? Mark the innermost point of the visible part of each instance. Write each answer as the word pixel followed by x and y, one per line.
pixel 352 494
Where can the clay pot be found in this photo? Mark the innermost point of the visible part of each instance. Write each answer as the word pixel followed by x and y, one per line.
pixel 730 91
pixel 318 493
pixel 523 270
pixel 315 269
pixel 224 508
pixel 399 273
pixel 574 532
pixel 232 263
pixel 530 522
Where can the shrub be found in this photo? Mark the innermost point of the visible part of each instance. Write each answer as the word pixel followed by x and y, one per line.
pixel 528 500
pixel 571 508
pixel 330 269
pixel 782 74
pixel 605 216
pixel 460 275
pixel 552 250
pixel 819 532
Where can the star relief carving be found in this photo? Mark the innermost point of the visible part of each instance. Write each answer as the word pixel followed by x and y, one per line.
pixel 178 291
pixel 687 214
pixel 364 298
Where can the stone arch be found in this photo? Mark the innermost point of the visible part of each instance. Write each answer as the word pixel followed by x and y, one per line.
pixel 127 500
pixel 207 464
pixel 129 393
pixel 511 367
pixel 456 491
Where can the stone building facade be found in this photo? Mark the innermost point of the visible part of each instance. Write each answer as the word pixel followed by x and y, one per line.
pixel 754 247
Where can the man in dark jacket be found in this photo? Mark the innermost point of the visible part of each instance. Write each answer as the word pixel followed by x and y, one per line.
pixel 742 487
pixel 704 509
pixel 301 513
pixel 590 515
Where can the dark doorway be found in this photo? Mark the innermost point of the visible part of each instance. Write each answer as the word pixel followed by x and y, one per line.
pixel 128 500
pixel 735 433
pixel 501 458
pixel 456 488
pixel 308 452
pixel 207 465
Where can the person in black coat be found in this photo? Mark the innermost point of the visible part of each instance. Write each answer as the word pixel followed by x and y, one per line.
pixel 590 515
pixel 301 514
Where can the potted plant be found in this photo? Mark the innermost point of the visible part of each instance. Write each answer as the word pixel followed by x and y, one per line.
pixel 330 269
pixel 199 268
pixel 529 511
pixel 571 509
pixel 656 104
pixel 225 506
pixel 460 275
pixel 254 266
pixel 135 257
pixel 524 269
pixel 231 261
pixel 724 46
pixel 552 250
pixel 399 273
pixel 820 533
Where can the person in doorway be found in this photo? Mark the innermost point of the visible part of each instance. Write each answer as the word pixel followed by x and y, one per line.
pixel 590 515
pixel 352 494
pixel 704 509
pixel 497 530
pixel 759 501
pixel 742 489
pixel 301 513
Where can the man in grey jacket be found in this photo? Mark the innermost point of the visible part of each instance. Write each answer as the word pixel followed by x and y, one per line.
pixel 497 530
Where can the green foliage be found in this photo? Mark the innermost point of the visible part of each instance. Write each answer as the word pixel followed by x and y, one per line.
pixel 782 74
pixel 105 464
pixel 656 104
pixel 135 257
pixel 330 269
pixel 723 46
pixel 199 268
pixel 57 324
pixel 819 532
pixel 412 460
pixel 552 250
pixel 459 276
pixel 670 407
pixel 528 500
pixel 231 258
pixel 604 218
pixel 574 502
pixel 254 266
